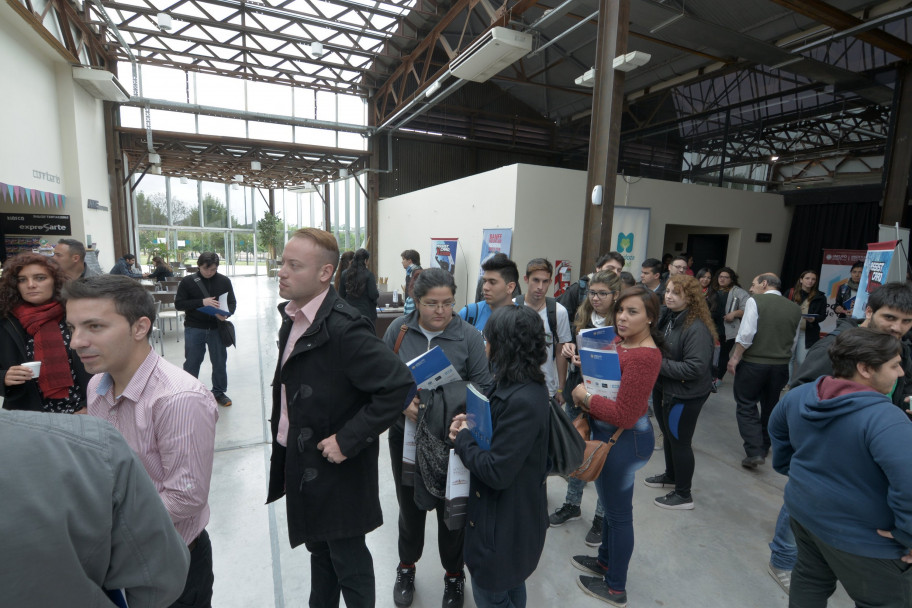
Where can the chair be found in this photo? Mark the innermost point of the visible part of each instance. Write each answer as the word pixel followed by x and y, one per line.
pixel 169 284
pixel 166 298
pixel 156 333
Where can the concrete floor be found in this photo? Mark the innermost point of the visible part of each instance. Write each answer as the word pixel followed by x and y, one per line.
pixel 713 556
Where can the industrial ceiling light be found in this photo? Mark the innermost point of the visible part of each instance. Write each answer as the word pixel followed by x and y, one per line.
pixel 238 178
pixel 235 187
pixel 184 180
pixel 155 170
pixel 666 23
pixel 308 187
pixel 774 158
pixel 315 50
pixel 255 165
pixel 164 22
pixel 343 172
pixel 433 88
pixel 154 158
pixel 587 79
pixel 631 61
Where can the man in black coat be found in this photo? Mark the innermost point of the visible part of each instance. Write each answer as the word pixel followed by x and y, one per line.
pixel 336 388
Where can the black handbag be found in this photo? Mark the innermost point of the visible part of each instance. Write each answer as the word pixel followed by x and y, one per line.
pixel 565 445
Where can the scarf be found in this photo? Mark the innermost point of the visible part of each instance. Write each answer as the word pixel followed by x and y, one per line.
pixel 42 324
pixel 853 285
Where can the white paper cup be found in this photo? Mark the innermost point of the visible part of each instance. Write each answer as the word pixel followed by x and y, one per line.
pixel 35 366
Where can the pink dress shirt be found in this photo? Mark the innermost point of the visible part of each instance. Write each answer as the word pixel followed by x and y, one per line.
pixel 168 418
pixel 302 318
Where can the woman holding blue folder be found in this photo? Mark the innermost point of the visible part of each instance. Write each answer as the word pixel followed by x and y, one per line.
pixel 508 511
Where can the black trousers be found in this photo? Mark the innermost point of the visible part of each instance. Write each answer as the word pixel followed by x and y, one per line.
pixel 198 588
pixel 725 347
pixel 757 382
pixel 343 566
pixel 871 582
pixel 411 518
pixel 677 436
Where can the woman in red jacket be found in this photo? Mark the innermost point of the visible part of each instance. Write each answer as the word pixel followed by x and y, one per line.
pixel 639 343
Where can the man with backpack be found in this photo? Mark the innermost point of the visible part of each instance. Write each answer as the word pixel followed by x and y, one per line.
pixel 499 280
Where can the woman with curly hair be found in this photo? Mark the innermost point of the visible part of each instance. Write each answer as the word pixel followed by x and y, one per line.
pixel 684 384
pixel 507 510
pixel 33 328
pixel 358 286
pixel 639 344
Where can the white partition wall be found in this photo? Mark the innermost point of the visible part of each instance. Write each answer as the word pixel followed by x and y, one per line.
pixel 545 208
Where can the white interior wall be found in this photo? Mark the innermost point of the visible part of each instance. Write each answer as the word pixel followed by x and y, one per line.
pixel 461 208
pixel 51 125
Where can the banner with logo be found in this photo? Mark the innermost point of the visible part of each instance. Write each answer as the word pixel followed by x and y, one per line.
pixel 631 229
pixel 834 272
pixel 494 240
pixel 443 254
pixel 879 268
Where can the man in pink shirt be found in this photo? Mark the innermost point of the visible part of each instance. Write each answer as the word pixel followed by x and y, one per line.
pixel 337 387
pixel 166 415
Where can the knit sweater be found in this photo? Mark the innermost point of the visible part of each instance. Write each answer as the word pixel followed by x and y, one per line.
pixel 639 370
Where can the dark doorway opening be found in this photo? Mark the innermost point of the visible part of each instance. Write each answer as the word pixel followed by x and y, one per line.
pixel 708 250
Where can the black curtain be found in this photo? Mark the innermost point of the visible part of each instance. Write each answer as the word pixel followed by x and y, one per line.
pixel 826 225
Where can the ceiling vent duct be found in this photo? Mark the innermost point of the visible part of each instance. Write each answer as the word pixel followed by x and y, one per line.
pixel 495 50
pixel 101 84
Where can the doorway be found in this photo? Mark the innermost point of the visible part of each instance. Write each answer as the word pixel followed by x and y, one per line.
pixel 708 250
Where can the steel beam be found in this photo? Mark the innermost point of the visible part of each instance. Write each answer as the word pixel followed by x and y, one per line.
pixel 898 159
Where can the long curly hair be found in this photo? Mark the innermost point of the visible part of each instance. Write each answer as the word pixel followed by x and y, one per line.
pixel 696 301
pixel 357 274
pixel 9 289
pixel 730 272
pixel 516 343
pixel 584 311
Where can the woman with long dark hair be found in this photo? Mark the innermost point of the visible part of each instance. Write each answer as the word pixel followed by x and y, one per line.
pixel 358 286
pixel 684 384
pixel 162 270
pixel 731 298
pixel 596 310
pixel 345 261
pixel 33 329
pixel 813 312
pixel 432 324
pixel 508 510
pixel 639 343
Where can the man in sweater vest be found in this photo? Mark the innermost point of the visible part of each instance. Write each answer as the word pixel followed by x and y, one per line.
pixel 759 362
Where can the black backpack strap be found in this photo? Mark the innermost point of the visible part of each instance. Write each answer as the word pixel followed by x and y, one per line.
pixel 551 307
pixel 471 316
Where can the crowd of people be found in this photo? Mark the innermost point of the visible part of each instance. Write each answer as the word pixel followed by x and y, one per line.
pixel 841 432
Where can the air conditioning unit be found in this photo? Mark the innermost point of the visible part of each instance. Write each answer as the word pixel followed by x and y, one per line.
pixel 101 84
pixel 495 50
pixel 302 188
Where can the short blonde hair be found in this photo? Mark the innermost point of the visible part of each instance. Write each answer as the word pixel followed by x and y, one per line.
pixel 322 239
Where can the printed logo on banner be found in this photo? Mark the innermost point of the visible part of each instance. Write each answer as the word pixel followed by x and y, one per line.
pixel 625 242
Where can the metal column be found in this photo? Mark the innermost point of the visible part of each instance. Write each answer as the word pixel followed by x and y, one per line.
pixel 604 134
pixel 898 160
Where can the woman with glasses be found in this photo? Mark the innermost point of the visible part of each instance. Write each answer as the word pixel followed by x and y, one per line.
pixel 431 324
pixel 731 299
pixel 597 310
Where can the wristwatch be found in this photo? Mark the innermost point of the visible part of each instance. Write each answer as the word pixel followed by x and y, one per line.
pixel 586 400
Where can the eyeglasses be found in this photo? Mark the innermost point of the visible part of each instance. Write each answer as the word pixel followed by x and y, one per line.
pixel 680 267
pixel 438 305
pixel 725 277
pixel 600 295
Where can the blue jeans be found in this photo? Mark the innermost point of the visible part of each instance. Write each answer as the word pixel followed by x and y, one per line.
pixel 615 488
pixel 511 598
pixel 195 342
pixel 576 486
pixel 783 550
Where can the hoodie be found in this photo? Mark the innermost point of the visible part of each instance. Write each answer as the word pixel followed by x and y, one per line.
pixel 846 451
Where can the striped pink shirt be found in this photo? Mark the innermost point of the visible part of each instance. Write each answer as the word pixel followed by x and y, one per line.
pixel 168 417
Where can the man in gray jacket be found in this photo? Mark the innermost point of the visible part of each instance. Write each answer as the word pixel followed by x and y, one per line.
pixel 80 519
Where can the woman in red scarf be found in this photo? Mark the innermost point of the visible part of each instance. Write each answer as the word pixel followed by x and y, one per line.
pixel 33 328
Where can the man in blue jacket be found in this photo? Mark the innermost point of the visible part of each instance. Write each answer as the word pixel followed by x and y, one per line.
pixel 844 447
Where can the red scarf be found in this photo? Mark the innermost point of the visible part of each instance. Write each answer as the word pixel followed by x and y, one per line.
pixel 42 324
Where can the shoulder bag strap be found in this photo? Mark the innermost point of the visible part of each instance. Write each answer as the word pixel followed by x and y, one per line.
pixel 402 331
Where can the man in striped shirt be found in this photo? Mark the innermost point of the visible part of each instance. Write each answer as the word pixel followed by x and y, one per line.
pixel 166 415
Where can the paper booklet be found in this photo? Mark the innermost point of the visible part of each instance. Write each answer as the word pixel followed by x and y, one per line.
pixel 601 371
pixel 600 338
pixel 478 417
pixel 409 451
pixel 221 310
pixel 456 499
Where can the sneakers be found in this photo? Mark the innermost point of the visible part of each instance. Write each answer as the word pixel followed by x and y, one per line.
pixel 404 589
pixel 588 564
pixel 660 441
pixel 594 535
pixel 673 500
pixel 223 400
pixel 751 462
pixel 566 513
pixel 596 587
pixel 659 481
pixel 453 591
pixel 783 577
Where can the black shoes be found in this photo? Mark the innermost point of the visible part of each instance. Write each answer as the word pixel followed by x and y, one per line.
pixel 673 500
pixel 659 481
pixel 596 587
pixel 566 513
pixel 594 535
pixel 223 400
pixel 453 591
pixel 588 564
pixel 404 589
pixel 751 462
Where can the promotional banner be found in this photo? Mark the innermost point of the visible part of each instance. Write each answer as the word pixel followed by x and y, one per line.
pixel 494 240
pixel 443 254
pixel 631 225
pixel 563 274
pixel 834 272
pixel 876 272
pixel 33 223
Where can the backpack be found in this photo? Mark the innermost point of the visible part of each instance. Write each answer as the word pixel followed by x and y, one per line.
pixel 551 307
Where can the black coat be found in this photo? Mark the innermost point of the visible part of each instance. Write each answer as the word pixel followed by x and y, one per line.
pixel 339 379
pixel 818 308
pixel 508 510
pixel 13 339
pixel 367 301
pixel 190 296
pixel 687 361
